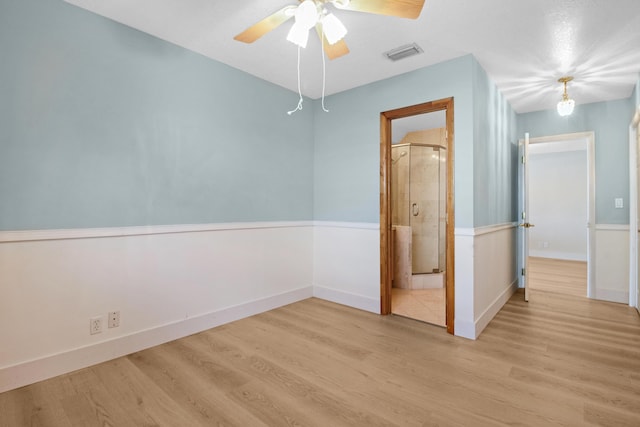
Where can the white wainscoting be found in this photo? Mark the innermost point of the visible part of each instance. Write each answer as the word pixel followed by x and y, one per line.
pixel 167 282
pixel 485 275
pixel 347 270
pixel 612 263
pixel 346 264
pixel 172 281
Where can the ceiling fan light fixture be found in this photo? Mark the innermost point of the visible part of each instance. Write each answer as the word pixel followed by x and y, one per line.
pixel 565 105
pixel 334 30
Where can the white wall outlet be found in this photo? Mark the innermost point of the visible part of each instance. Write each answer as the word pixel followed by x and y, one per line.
pixel 114 319
pixel 95 325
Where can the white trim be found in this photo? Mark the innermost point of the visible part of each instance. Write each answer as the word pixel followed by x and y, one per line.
pixel 32 371
pixel 466 329
pixel 483 320
pixel 634 129
pixel 346 298
pixel 612 295
pixel 591 200
pixel 563 137
pixel 612 227
pixel 354 225
pixel 591 213
pixel 487 229
pixel 88 233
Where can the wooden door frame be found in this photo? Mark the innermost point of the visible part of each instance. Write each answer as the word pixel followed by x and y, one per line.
pixel 386 265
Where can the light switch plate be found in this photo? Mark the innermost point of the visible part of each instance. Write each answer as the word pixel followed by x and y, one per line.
pixel 619 203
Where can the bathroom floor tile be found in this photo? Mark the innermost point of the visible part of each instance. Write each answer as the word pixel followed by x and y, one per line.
pixel 426 305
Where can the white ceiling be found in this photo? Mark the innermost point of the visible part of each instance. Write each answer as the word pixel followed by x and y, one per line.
pixel 524 46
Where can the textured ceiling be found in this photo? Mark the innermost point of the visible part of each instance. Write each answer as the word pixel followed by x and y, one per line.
pixel 524 46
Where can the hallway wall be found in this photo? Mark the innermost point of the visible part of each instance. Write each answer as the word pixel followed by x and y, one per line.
pixel 610 122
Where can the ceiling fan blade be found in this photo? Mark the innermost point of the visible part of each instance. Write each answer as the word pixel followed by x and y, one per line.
pixel 401 8
pixel 335 50
pixel 269 23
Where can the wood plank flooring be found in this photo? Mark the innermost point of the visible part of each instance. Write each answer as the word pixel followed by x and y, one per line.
pixel 558 276
pixel 558 360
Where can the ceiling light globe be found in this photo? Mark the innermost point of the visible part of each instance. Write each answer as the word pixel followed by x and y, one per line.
pixel 333 29
pixel 306 14
pixel 298 35
pixel 565 107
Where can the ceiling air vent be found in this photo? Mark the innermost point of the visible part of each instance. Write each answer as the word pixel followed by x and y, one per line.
pixel 403 52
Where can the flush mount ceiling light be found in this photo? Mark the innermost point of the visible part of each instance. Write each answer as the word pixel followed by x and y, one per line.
pixel 566 105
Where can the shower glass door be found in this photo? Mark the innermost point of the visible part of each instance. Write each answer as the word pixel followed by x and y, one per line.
pixel 424 211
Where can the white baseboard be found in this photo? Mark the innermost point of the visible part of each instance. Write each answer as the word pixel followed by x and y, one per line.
pixel 465 329
pixel 40 369
pixel 345 298
pixel 483 320
pixel 472 330
pixel 612 295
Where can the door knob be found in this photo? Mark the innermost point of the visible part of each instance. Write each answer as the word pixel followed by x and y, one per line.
pixel 415 209
pixel 526 225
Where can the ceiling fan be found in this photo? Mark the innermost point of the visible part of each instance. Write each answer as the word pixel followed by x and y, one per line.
pixel 310 13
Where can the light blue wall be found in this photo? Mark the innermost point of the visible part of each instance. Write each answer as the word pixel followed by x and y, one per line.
pixel 102 125
pixel 347 152
pixel 347 140
pixel 610 122
pixel 495 148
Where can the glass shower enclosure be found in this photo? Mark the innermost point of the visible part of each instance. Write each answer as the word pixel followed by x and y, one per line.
pixel 418 193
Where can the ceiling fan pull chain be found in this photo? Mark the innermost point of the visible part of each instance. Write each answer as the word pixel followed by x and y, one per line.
pixel 324 68
pixel 299 107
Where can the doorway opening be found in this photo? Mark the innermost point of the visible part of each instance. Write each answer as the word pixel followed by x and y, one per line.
pixel 416 212
pixel 560 199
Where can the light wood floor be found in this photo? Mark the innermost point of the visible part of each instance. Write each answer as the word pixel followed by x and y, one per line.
pixel 558 276
pixel 557 360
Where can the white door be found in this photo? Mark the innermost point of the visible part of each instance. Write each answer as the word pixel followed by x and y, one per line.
pixel 637 227
pixel 523 207
pixel 634 213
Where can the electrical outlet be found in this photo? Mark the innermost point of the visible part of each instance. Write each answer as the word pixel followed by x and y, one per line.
pixel 95 325
pixel 114 319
